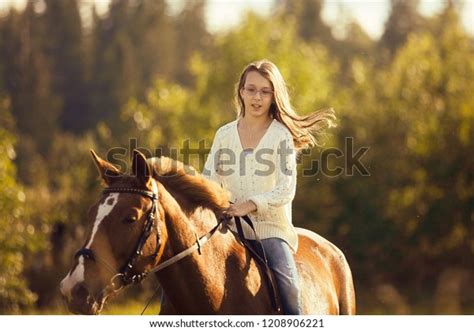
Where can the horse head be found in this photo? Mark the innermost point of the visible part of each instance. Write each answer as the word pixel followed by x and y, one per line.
pixel 123 241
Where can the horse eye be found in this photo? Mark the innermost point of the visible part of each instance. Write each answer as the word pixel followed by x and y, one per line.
pixel 129 220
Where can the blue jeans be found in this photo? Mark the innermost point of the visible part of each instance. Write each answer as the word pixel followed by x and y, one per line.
pixel 281 262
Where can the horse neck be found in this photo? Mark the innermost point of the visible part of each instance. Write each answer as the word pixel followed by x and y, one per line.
pixel 184 223
pixel 186 281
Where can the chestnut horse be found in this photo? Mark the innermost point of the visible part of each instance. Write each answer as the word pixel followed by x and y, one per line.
pixel 160 211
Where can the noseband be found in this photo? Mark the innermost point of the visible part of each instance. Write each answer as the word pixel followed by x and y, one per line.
pixel 124 275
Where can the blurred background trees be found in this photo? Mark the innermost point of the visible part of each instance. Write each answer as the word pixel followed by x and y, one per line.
pixel 144 73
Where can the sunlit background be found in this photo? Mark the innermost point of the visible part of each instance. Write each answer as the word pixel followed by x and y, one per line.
pixel 81 74
pixel 224 14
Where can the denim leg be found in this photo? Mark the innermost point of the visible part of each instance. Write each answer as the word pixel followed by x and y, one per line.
pixel 281 261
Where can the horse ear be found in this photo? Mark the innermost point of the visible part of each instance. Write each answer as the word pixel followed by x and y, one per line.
pixel 140 168
pixel 106 170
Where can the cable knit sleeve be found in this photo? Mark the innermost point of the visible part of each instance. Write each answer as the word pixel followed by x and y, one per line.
pixel 210 167
pixel 285 171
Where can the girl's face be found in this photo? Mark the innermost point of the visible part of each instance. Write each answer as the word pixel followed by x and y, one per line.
pixel 257 94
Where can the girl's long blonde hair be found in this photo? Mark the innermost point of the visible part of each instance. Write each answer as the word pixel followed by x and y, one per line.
pixel 305 129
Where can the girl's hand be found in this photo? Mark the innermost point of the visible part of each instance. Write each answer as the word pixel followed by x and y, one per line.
pixel 240 209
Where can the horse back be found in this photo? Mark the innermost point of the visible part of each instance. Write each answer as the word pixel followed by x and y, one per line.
pixel 325 276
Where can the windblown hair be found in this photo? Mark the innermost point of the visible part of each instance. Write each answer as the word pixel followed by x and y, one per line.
pixel 306 130
pixel 178 177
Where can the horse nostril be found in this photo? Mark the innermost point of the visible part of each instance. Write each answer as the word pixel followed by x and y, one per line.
pixel 80 291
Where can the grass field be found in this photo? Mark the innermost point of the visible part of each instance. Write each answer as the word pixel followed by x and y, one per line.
pixel 129 308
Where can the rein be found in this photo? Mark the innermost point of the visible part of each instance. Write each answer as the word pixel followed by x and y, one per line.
pixel 196 247
pixel 258 253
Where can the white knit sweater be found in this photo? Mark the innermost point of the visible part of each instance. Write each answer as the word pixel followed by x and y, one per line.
pixel 266 176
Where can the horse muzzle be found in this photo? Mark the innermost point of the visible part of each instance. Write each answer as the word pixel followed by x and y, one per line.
pixel 82 302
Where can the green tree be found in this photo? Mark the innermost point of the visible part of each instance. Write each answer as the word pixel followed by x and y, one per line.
pixel 432 77
pixel 404 19
pixel 308 15
pixel 16 237
pixel 28 78
pixel 192 34
pixel 114 77
pixel 133 44
pixel 356 45
pixel 65 49
pixel 154 41
pixel 409 221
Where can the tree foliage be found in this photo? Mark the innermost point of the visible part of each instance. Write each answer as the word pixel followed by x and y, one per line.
pixel 17 235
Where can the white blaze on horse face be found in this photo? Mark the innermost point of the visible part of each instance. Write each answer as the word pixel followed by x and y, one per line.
pixel 72 278
pixel 76 275
pixel 104 209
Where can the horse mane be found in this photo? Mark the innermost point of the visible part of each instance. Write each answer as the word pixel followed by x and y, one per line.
pixel 187 181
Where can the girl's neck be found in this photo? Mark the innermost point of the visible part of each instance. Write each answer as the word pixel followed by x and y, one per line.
pixel 255 123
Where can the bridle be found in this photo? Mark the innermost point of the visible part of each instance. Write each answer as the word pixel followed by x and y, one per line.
pixel 125 272
pixel 125 275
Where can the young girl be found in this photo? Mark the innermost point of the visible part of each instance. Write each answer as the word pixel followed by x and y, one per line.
pixel 254 158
